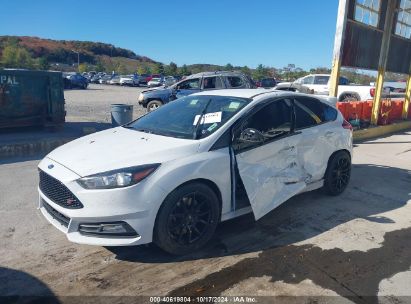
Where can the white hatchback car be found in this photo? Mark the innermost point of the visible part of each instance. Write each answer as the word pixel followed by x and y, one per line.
pixel 172 175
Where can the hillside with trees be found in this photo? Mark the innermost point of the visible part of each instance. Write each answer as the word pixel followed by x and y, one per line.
pixel 38 53
pixel 61 55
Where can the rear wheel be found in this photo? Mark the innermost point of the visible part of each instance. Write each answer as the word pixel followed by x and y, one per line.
pixel 187 219
pixel 338 173
pixel 154 105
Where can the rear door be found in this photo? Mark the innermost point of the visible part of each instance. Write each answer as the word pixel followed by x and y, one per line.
pixel 212 83
pixel 267 157
pixel 318 136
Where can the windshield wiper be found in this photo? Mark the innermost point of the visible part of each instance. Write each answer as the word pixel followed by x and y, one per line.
pixel 140 130
pixel 195 131
pixel 128 127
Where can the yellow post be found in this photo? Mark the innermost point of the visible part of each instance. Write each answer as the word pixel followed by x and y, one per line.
pixel 376 104
pixel 382 63
pixel 338 46
pixel 406 108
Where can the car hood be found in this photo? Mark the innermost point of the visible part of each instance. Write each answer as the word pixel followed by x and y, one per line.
pixel 120 148
pixel 158 91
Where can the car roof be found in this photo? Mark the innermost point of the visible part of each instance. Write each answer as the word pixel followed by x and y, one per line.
pixel 243 93
pixel 258 94
pixel 220 73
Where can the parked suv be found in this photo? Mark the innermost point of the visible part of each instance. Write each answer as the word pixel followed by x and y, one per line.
pixel 152 99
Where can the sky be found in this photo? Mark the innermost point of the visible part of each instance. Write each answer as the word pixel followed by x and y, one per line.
pixel 243 32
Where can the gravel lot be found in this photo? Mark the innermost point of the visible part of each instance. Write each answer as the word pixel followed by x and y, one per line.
pixel 354 246
pixel 93 104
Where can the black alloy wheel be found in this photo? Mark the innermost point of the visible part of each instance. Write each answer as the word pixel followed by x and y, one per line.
pixel 338 173
pixel 187 219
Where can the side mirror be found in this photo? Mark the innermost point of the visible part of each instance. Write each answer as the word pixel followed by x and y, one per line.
pixel 250 135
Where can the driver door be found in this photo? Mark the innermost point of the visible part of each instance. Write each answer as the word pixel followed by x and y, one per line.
pixel 188 87
pixel 266 155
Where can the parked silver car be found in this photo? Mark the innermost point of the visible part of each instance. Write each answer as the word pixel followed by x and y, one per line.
pixel 129 80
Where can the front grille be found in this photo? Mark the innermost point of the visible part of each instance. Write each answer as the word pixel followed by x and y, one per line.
pixel 57 192
pixel 61 218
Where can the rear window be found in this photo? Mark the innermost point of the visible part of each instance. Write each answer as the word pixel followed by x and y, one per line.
pixel 212 83
pixel 321 80
pixel 235 81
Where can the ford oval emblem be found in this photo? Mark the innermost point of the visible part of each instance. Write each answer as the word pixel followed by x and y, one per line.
pixel 50 166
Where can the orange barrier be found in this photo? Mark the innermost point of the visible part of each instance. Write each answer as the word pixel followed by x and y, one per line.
pixel 342 107
pixel 366 111
pixel 354 110
pixel 389 111
pixel 396 110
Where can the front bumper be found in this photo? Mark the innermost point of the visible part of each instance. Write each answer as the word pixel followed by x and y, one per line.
pixel 136 206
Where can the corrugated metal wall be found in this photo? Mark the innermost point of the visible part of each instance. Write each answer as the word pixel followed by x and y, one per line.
pixel 362 44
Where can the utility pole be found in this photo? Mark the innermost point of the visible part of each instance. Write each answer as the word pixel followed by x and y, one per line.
pixel 78 60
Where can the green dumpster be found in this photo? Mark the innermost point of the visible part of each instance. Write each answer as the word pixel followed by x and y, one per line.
pixel 31 98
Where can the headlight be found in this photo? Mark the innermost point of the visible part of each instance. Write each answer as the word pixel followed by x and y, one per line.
pixel 117 178
pixel 141 97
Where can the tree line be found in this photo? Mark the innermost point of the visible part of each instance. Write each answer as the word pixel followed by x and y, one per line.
pixel 15 56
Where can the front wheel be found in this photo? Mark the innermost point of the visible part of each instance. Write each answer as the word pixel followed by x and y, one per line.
pixel 338 173
pixel 187 219
pixel 153 105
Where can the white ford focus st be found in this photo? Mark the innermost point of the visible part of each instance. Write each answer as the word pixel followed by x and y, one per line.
pixel 172 175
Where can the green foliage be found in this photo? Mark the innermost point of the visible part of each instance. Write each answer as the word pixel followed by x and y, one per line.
pixel 184 71
pixel 260 72
pixel 158 68
pixel 43 64
pixel 228 67
pixel 16 57
pixel 143 69
pixel 82 68
pixel 246 70
pixel 100 66
pixel 356 77
pixel 171 69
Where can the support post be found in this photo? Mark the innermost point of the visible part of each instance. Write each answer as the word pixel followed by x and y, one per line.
pixel 338 46
pixel 406 108
pixel 382 63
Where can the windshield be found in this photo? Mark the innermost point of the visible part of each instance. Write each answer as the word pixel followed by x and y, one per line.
pixel 181 118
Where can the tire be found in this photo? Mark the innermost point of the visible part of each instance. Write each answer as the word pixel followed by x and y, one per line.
pixel 338 173
pixel 187 219
pixel 153 105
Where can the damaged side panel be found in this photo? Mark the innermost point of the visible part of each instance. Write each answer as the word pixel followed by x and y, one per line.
pixel 271 174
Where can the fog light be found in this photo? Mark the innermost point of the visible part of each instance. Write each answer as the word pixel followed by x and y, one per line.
pixel 114 229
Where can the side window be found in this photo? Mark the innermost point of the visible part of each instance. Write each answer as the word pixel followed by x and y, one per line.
pixel 212 83
pixel 270 122
pixel 191 84
pixel 307 80
pixel 310 112
pixel 303 119
pixel 235 81
pixel 323 80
